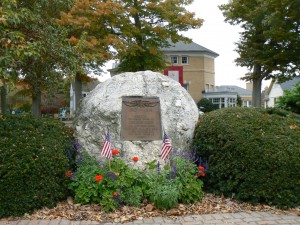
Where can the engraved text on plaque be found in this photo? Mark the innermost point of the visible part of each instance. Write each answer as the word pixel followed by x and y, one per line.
pixel 141 119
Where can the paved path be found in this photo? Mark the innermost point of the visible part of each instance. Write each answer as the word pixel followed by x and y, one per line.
pixel 254 218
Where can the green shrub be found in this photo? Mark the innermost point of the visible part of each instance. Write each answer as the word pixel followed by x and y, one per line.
pixel 252 155
pixel 205 105
pixel 33 163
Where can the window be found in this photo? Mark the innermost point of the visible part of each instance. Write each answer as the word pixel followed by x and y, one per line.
pixel 231 102
pixel 216 100
pixel 184 60
pixel 174 59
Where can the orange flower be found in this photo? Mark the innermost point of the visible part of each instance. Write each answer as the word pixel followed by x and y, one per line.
pixel 201 168
pixel 115 151
pixel 98 178
pixel 135 158
pixel 69 173
pixel 115 194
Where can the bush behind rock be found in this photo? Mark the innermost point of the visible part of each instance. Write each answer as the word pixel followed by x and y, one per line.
pixel 32 164
pixel 253 155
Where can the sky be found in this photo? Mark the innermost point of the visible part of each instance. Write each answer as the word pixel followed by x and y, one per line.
pixel 219 37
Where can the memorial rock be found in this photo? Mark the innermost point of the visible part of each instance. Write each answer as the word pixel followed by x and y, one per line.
pixel 136 108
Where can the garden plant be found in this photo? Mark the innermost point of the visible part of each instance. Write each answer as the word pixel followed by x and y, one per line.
pixel 113 183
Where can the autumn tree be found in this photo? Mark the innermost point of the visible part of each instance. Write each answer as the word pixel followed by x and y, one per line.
pixel 149 26
pixel 13 46
pixel 38 52
pixel 269 43
pixel 130 30
pixel 92 34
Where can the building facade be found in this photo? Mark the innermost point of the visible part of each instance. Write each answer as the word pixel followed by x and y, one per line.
pixel 198 65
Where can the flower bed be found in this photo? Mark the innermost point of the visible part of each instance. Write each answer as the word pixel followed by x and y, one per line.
pixel 114 184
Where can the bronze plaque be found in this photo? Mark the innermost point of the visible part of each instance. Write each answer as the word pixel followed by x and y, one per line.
pixel 141 119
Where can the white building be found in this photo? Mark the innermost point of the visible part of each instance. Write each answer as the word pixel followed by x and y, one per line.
pixel 226 96
pixel 277 89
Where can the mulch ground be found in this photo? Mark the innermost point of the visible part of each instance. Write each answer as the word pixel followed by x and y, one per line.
pixel 210 204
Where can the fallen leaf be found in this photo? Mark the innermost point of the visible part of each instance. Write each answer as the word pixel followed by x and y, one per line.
pixel 149 207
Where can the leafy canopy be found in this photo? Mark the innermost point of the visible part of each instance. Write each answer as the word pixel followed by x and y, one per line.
pixel 130 30
pixel 152 25
pixel 270 42
pixel 270 37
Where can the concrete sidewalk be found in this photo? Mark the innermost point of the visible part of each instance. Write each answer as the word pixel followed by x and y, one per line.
pixel 242 218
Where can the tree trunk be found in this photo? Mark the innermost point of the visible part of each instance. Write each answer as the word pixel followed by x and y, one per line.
pixel 3 98
pixel 36 104
pixel 256 91
pixel 78 90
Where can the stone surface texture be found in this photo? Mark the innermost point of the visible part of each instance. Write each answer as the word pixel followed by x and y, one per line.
pixel 101 110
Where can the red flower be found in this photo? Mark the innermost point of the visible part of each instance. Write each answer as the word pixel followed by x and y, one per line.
pixel 98 178
pixel 135 158
pixel 69 173
pixel 115 194
pixel 201 173
pixel 115 151
pixel 201 168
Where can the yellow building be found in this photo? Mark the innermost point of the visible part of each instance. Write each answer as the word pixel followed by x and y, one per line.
pixel 198 64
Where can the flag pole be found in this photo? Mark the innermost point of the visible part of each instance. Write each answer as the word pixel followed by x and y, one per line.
pixel 109 165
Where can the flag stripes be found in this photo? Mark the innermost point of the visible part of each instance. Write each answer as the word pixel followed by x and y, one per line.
pixel 106 149
pixel 166 147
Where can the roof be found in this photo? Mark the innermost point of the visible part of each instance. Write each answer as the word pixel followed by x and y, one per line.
pixel 234 88
pixel 189 47
pixel 290 83
pixel 220 93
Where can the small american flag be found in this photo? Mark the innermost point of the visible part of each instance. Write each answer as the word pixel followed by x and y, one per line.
pixel 166 147
pixel 106 149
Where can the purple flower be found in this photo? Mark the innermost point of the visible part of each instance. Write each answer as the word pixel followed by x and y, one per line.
pixel 158 167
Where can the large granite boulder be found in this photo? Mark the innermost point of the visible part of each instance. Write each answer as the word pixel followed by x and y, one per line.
pixel 102 109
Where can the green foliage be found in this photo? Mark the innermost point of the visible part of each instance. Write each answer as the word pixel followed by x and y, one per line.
pixel 124 185
pixel 290 100
pixel 252 154
pixel 239 101
pixel 205 105
pixel 32 164
pixel 163 193
pixel 117 178
pixel 190 187
pixel 269 43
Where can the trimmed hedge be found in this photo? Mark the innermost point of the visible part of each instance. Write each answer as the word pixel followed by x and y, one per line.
pixel 253 154
pixel 32 164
